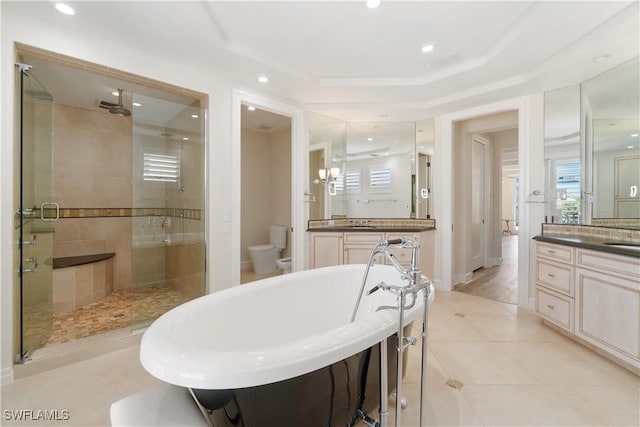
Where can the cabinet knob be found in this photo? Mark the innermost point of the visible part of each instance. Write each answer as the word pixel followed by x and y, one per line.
pixel 551 251
pixel 550 307
pixel 551 275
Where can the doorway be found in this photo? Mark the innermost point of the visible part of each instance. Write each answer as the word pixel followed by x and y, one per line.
pixel 489 262
pixel 266 181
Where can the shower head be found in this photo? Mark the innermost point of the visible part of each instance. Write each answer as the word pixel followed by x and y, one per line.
pixel 120 109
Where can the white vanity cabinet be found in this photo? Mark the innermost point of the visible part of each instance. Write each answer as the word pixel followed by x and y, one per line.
pixel 333 248
pixel 592 296
pixel 608 303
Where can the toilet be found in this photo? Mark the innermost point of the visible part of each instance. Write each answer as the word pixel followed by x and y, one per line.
pixel 265 257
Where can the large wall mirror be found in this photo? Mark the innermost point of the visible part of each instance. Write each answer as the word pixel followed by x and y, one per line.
pixel 369 169
pixel 611 123
pixel 592 150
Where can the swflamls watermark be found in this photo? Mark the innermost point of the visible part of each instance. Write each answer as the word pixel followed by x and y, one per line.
pixel 36 414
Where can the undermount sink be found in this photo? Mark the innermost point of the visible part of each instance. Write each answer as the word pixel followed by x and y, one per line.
pixel 625 245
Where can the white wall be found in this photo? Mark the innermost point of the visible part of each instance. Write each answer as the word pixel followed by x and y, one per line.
pixel 96 48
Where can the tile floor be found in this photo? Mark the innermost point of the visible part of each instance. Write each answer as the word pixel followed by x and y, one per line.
pixel 515 372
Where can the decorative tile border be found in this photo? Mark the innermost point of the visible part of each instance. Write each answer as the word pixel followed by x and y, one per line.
pixel 622 234
pixel 374 222
pixel 617 222
pixel 121 212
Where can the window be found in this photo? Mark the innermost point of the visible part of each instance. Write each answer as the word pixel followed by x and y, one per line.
pixel 160 167
pixel 380 179
pixel 350 180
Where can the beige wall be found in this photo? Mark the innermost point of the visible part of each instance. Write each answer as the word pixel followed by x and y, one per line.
pixel 92 169
pixel 266 187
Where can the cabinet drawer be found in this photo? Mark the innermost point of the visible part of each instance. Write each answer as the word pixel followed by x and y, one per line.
pixel 557 252
pixel 363 238
pixel 555 308
pixel 559 277
pixel 608 263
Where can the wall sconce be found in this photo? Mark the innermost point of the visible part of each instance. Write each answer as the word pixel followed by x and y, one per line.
pixel 328 178
pixel 329 174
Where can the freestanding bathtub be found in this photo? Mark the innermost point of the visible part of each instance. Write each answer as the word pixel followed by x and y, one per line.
pixel 288 339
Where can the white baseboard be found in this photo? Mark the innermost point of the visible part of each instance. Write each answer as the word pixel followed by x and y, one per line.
pixel 495 261
pixel 462 277
pixel 6 376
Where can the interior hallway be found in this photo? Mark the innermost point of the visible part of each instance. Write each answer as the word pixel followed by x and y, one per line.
pixel 514 371
pixel 499 282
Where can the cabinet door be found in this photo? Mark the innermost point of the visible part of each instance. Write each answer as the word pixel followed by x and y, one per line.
pixel 608 313
pixel 358 247
pixel 326 249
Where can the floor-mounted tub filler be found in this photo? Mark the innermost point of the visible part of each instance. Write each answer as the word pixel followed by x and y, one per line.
pixel 303 349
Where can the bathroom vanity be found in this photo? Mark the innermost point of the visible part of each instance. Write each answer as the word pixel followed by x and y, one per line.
pixel 588 287
pixel 350 241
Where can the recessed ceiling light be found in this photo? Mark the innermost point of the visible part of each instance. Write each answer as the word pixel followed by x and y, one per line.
pixel 184 138
pixel 630 146
pixel 251 108
pixel 372 4
pixel 137 104
pixel 427 48
pixel 386 154
pixel 634 135
pixel 65 8
pixel 263 79
pixel 369 139
pixel 115 93
pixel 195 116
pixel 601 58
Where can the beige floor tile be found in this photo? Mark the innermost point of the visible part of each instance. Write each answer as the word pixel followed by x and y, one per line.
pixel 551 363
pixel 479 363
pixel 468 305
pixel 445 406
pixel 451 327
pixel 512 328
pixel 86 389
pixel 520 405
pixel 603 363
pixel 602 405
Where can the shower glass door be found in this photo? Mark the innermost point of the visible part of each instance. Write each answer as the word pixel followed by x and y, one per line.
pixel 35 215
pixel 168 245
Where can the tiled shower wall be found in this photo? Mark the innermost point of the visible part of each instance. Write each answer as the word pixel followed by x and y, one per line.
pixel 92 169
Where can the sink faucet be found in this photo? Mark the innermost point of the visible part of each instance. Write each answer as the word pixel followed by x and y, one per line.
pixel 412 273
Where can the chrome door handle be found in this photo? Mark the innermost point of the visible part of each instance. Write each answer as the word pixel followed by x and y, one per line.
pixel 57 210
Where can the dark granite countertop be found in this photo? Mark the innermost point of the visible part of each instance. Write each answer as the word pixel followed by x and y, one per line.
pixel 593 243
pixel 375 229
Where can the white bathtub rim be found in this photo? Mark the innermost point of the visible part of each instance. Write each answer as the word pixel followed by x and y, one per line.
pixel 216 369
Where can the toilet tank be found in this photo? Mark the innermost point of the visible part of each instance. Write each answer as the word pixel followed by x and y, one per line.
pixel 278 236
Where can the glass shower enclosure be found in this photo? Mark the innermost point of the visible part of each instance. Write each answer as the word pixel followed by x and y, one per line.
pixel 168 195
pixel 33 230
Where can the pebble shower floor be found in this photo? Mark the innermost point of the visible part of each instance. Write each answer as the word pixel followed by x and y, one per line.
pixel 122 309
